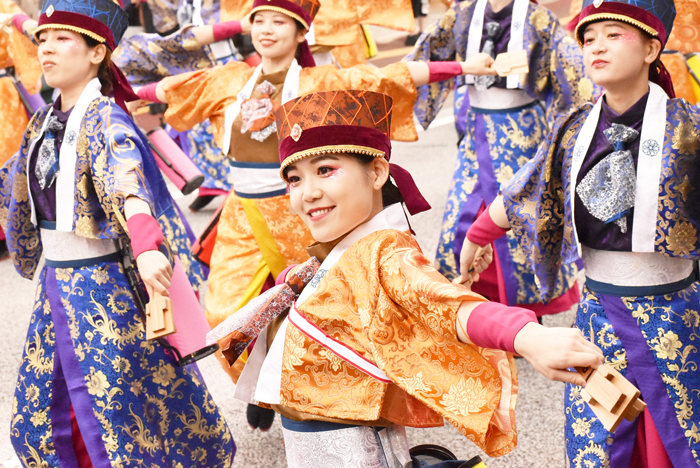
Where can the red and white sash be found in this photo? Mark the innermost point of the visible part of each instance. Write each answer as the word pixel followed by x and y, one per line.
pixel 261 378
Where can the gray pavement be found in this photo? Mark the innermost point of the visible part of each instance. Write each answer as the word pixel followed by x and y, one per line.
pixel 539 411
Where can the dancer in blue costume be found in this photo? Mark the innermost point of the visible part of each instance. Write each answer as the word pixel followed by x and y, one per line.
pixel 618 183
pixel 91 390
pixel 148 58
pixel 500 124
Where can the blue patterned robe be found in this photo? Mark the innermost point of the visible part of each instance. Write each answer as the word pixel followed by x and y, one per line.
pixel 649 339
pixel 494 144
pixel 148 58
pixel 86 342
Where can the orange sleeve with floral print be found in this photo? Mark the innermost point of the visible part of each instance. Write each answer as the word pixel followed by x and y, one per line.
pixel 385 300
pixel 205 94
pixel 16 50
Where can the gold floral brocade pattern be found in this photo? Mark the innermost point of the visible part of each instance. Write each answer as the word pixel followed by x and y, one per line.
pixel 385 300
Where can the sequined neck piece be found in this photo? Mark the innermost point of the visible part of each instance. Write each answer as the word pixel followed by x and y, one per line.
pixel 608 190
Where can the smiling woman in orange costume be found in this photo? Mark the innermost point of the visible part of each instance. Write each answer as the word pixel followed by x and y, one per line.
pixel 258 233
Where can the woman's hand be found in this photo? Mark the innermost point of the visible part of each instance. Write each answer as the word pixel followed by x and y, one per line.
pixel 155 271
pixel 473 261
pixel 470 264
pixel 552 350
pixel 478 64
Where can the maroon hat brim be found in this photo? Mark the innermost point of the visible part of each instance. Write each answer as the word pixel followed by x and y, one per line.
pixel 285 7
pixel 618 11
pixel 77 23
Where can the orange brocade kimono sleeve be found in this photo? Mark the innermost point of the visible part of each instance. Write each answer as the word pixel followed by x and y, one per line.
pixel 205 94
pixel 394 80
pixel 473 388
pixel 384 299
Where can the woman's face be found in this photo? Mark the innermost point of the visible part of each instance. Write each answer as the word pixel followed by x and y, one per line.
pixel 335 193
pixel 275 35
pixel 616 53
pixel 66 59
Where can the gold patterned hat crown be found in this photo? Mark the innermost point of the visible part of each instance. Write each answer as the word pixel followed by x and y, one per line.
pixel 332 122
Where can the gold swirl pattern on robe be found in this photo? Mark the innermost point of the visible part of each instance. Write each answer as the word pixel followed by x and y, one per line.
pixel 385 300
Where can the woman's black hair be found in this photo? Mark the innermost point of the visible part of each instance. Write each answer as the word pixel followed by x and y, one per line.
pixel 103 73
pixel 390 192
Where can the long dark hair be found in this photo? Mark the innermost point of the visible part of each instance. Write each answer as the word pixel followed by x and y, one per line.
pixel 103 73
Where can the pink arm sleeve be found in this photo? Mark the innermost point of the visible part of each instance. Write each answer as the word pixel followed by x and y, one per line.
pixel 225 30
pixel 441 71
pixel 145 233
pixel 148 92
pixel 283 276
pixel 483 230
pixel 493 325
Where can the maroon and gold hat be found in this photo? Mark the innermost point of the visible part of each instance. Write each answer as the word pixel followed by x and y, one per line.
pixel 343 121
pixel 653 17
pixel 303 11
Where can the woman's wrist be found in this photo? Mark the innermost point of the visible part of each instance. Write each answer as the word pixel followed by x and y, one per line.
pixel 484 230
pixel 226 30
pixel 145 233
pixel 497 326
pixel 441 71
pixel 149 92
pixel 19 20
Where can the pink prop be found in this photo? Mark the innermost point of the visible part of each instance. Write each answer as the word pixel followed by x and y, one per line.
pixel 174 163
pixel 192 326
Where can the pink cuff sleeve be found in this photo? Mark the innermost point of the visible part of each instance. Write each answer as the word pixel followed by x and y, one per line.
pixel 145 233
pixel 483 230
pixel 148 92
pixel 18 21
pixel 441 71
pixel 225 30
pixel 493 325
pixel 282 277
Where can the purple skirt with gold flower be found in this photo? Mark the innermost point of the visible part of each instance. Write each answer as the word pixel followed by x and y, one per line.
pixel 86 347
pixel 654 341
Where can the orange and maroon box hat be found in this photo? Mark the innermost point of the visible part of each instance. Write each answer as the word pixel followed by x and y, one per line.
pixel 343 121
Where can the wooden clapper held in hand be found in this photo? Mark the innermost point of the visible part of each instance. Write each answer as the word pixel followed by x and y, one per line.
pixel 159 317
pixel 511 63
pixel 611 396
pixel 236 332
